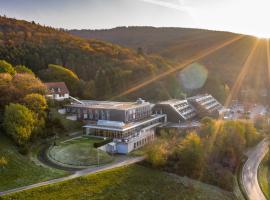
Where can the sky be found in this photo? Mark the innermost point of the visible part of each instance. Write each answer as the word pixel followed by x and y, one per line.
pixel 242 16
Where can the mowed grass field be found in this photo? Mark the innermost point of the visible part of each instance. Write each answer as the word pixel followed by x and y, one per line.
pixel 126 183
pixel 21 170
pixel 79 152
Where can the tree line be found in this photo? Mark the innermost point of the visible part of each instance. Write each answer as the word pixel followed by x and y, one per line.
pixel 211 154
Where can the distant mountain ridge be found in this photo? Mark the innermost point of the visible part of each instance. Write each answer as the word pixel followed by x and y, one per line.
pixel 150 38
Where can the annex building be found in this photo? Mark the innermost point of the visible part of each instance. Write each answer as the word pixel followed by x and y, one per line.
pixel 190 109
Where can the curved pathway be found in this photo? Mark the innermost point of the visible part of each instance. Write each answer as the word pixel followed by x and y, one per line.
pixel 250 170
pixel 128 161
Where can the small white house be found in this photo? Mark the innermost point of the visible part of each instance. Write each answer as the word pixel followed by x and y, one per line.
pixel 57 91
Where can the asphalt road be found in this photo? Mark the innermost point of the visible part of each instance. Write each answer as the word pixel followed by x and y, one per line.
pixel 250 169
pixel 128 161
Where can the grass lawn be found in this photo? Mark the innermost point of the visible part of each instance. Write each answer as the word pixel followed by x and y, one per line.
pixel 264 178
pixel 79 152
pixel 21 170
pixel 126 183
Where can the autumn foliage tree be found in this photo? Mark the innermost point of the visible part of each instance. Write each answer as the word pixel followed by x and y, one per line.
pixel 35 102
pixel 14 87
pixel 157 153
pixel 211 153
pixel 188 156
pixel 3 162
pixel 23 69
pixel 19 123
pixel 6 67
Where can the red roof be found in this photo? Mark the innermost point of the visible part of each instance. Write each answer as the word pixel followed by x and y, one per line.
pixel 57 88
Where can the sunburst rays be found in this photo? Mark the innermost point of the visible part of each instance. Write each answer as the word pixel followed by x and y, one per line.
pixel 180 66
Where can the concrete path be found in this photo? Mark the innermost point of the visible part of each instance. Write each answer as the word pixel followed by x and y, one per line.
pixel 250 170
pixel 77 174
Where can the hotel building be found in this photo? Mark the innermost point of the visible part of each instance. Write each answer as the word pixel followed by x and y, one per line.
pixel 131 125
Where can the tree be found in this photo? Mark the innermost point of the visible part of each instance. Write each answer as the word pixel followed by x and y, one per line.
pixel 208 127
pixel 87 89
pixel 251 134
pixel 38 104
pixel 6 67
pixel 56 73
pixel 35 102
pixel 189 155
pixel 3 162
pixel 28 83
pixel 14 88
pixel 230 143
pixel 157 153
pixel 19 123
pixel 103 84
pixel 7 90
pixel 23 69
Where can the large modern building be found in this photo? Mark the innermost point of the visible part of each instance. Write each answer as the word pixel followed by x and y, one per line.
pixel 176 110
pixel 131 125
pixel 112 111
pixel 206 105
pixel 127 136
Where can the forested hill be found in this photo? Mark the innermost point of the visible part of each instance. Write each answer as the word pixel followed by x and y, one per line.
pixel 180 44
pixel 154 40
pixel 105 68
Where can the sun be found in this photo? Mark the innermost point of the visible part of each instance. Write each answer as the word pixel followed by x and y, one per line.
pixel 262 35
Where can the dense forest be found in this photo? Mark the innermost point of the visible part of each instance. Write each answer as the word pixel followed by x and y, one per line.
pixel 102 69
pixel 179 44
pixel 95 69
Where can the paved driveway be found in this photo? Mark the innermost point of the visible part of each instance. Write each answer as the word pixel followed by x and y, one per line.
pixel 250 169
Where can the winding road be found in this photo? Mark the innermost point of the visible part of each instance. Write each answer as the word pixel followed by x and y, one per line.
pixel 77 174
pixel 250 170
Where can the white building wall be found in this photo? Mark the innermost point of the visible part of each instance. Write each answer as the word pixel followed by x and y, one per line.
pixel 60 98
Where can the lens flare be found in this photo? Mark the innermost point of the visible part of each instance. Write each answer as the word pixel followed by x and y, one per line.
pixel 180 66
pixel 193 76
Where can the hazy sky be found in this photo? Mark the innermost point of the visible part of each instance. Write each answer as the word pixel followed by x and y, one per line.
pixel 245 16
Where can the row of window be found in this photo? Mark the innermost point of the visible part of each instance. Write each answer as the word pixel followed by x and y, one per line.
pixel 143 141
pixel 181 105
pixel 126 134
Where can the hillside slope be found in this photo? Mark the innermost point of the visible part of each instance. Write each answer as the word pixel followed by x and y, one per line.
pixel 133 182
pixel 180 44
pixel 151 39
pixel 111 68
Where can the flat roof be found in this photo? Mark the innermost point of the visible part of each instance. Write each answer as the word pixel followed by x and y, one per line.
pixel 188 124
pixel 200 96
pixel 126 126
pixel 173 101
pixel 109 104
